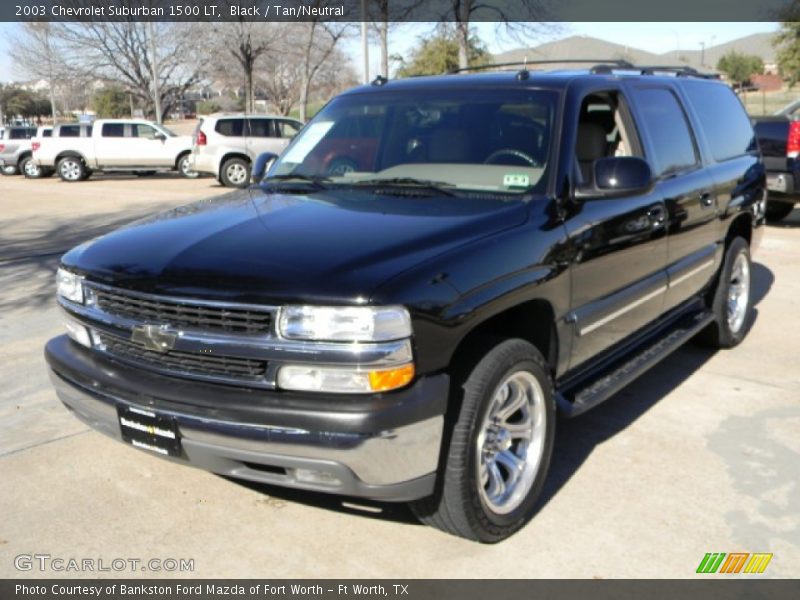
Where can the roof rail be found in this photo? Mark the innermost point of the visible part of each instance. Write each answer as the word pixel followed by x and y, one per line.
pixel 600 67
pixel 620 64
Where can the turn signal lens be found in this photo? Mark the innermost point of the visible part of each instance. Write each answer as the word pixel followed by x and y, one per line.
pixel 391 379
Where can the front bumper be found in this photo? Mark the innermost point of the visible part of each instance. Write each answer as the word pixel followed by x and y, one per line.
pixel 383 447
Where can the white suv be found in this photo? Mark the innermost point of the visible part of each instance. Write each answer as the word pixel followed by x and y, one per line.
pixel 225 145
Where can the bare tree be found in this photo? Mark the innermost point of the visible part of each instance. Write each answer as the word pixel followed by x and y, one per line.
pixel 281 79
pixel 245 42
pixel 36 49
pixel 319 39
pixel 386 15
pixel 521 20
pixel 120 51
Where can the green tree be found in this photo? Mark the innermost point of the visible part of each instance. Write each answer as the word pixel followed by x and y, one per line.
pixel 740 67
pixel 111 102
pixel 439 54
pixel 787 45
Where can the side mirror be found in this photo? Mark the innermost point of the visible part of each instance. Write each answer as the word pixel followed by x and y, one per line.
pixel 618 176
pixel 262 162
pixel 160 137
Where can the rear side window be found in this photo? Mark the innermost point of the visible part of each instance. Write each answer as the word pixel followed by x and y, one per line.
pixel 664 122
pixel 21 134
pixel 113 130
pixel 261 128
pixel 230 127
pixel 722 118
pixel 69 131
pixel 47 133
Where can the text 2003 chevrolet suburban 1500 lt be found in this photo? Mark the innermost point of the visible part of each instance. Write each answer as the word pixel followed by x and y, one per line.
pixel 515 244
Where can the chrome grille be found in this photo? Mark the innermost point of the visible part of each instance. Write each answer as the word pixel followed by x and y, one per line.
pixel 183 363
pixel 183 315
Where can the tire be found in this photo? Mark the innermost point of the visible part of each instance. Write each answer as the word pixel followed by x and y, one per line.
pixel 71 169
pixel 235 172
pixel 9 170
pixel 468 502
pixel 184 168
pixel 732 299
pixel 30 169
pixel 777 211
pixel 340 166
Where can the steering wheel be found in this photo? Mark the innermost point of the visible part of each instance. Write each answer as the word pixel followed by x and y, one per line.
pixel 511 152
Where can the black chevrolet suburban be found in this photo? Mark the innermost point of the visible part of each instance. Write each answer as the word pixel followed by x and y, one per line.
pixel 500 248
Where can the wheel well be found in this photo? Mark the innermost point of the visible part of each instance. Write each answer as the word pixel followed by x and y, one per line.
pixel 231 155
pixel 22 157
pixel 69 153
pixel 533 321
pixel 742 226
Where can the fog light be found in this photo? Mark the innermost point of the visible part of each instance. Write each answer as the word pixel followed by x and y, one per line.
pixel 308 378
pixel 78 333
pixel 311 476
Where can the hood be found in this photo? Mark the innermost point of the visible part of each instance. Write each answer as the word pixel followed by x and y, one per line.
pixel 252 246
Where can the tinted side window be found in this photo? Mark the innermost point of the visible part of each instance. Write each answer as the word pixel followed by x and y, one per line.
pixel 230 127
pixel 260 128
pixel 47 133
pixel 113 130
pixel 21 134
pixel 69 131
pixel 666 127
pixel 723 119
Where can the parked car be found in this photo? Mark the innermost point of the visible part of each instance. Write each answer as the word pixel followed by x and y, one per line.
pixel 224 145
pixel 28 166
pixel 15 148
pixel 115 145
pixel 779 139
pixel 517 244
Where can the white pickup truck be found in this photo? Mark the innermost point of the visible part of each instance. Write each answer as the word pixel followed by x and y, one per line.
pixel 116 145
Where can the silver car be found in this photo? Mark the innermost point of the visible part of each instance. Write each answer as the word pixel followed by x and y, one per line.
pixel 225 145
pixel 15 148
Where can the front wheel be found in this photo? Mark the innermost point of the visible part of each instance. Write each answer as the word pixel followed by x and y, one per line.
pixel 71 169
pixel 500 449
pixel 731 302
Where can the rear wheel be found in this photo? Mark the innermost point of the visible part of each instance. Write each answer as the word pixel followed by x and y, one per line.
pixel 30 169
pixel 500 448
pixel 71 169
pixel 185 169
pixel 9 170
pixel 731 303
pixel 777 211
pixel 235 172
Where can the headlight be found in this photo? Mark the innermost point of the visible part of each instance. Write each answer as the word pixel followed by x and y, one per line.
pixel 69 286
pixel 344 324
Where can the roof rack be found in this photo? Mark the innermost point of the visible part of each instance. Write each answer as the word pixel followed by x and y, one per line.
pixel 602 67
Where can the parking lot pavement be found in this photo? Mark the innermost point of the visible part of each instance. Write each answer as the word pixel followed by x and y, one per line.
pixel 700 455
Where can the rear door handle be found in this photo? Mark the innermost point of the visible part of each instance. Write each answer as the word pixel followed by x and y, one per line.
pixel 706 199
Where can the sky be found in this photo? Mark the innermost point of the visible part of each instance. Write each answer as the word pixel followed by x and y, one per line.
pixel 653 37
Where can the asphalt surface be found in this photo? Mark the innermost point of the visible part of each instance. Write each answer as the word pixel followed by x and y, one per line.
pixel 699 455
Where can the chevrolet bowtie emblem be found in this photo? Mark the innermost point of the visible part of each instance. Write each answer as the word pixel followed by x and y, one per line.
pixel 154 337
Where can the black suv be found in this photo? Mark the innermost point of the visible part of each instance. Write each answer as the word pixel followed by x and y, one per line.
pixel 505 246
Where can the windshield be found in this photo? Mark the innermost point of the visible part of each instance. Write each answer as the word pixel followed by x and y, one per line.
pixel 485 140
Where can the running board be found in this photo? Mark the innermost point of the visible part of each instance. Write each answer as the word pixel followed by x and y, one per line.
pixel 580 396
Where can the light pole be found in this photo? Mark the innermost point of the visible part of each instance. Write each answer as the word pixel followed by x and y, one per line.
pixel 702 54
pixel 364 41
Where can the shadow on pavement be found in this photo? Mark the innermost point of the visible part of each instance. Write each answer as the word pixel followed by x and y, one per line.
pixel 575 438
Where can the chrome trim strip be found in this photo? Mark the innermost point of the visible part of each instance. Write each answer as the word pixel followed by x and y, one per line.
pixel 691 273
pixel 618 313
pixel 180 300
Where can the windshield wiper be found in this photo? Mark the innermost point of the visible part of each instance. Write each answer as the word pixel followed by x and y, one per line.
pixel 279 181
pixel 440 187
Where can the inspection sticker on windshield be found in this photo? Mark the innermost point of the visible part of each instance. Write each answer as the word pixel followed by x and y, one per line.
pixel 516 180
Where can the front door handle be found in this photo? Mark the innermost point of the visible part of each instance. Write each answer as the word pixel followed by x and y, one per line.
pixel 706 199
